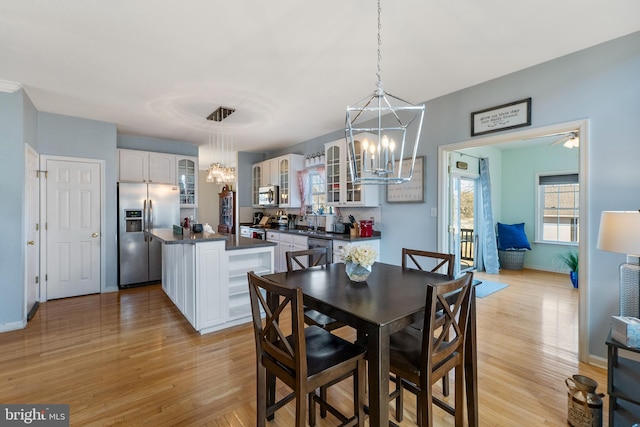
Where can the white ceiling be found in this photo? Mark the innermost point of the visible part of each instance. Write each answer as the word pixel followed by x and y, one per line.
pixel 290 67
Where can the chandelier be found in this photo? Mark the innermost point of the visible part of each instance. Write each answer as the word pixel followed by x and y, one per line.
pixel 222 172
pixel 393 127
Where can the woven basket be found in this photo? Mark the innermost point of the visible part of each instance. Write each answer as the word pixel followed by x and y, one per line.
pixel 511 260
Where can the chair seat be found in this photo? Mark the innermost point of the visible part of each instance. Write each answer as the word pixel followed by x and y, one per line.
pixel 325 350
pixel 404 351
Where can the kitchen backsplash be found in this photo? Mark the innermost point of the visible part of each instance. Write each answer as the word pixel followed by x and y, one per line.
pixel 358 214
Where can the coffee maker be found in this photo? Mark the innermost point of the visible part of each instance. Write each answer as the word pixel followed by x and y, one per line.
pixel 257 216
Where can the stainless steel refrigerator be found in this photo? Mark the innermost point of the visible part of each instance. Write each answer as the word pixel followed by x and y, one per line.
pixel 142 207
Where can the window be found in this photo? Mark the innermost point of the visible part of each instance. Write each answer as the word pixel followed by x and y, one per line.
pixel 317 194
pixel 558 208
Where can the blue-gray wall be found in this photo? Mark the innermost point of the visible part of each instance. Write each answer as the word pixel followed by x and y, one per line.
pixel 600 84
pixel 67 136
pixel 156 144
pixel 12 251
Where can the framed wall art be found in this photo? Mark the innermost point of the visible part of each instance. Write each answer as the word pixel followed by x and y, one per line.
pixel 503 117
pixel 412 191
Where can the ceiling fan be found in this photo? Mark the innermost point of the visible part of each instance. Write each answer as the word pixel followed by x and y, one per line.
pixel 569 140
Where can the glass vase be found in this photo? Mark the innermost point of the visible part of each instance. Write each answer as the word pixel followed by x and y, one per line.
pixel 357 272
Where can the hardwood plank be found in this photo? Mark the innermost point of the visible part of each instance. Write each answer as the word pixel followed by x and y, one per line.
pixel 130 358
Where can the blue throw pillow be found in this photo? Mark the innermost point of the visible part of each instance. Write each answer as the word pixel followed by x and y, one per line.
pixel 512 236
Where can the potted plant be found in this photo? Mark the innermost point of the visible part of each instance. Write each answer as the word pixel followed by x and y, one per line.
pixel 570 259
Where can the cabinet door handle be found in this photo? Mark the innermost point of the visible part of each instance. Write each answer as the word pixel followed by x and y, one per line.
pixel 31 242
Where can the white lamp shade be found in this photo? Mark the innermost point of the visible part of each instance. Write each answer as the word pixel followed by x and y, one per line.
pixel 620 232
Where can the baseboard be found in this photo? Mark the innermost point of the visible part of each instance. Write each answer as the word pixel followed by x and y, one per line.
pixel 13 326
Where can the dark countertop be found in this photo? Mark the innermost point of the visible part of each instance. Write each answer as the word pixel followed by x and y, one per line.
pixel 324 235
pixel 232 242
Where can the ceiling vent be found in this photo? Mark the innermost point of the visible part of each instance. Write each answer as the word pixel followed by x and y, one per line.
pixel 220 114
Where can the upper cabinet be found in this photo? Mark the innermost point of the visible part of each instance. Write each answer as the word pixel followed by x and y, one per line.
pixel 341 191
pixel 188 181
pixel 256 183
pixel 146 166
pixel 288 167
pixel 281 171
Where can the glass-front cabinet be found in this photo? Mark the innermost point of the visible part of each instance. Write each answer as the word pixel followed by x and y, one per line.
pixel 288 167
pixel 188 181
pixel 283 181
pixel 256 183
pixel 227 209
pixel 341 190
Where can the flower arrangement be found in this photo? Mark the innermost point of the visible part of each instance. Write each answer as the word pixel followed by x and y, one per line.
pixel 364 255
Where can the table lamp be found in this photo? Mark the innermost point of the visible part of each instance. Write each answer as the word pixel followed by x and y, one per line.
pixel 620 232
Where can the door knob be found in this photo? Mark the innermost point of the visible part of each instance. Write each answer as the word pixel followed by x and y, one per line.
pixel 31 242
pixel 94 235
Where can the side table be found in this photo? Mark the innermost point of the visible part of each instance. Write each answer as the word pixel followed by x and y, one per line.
pixel 623 385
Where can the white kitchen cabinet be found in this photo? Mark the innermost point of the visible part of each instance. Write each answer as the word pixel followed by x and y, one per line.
pixel 146 166
pixel 187 178
pixel 338 245
pixel 270 172
pixel 178 277
pixel 285 242
pixel 288 168
pixel 341 191
pixel 208 283
pixel 281 171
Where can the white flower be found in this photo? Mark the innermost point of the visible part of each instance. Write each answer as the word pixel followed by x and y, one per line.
pixel 364 255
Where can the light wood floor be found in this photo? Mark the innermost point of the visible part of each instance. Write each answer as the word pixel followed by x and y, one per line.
pixel 130 358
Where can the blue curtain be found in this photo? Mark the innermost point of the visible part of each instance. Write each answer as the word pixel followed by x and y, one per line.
pixel 489 245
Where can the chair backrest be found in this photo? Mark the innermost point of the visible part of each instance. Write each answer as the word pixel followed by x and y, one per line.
pixel 306 258
pixel 444 330
pixel 417 256
pixel 271 334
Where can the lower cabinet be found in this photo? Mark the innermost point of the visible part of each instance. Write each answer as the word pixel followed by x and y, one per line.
pixel 285 242
pixel 208 283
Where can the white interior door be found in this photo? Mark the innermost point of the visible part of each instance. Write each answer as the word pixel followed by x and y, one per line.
pixel 32 209
pixel 73 227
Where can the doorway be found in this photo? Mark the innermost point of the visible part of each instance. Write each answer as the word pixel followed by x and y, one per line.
pixel 522 137
pixel 464 221
pixel 32 220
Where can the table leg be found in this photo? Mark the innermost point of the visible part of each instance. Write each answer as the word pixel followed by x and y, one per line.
pixel 471 364
pixel 378 355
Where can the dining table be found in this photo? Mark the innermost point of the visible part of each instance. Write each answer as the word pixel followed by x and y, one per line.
pixel 389 300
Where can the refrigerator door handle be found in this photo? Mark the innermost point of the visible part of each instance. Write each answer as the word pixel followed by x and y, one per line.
pixel 150 217
pixel 144 219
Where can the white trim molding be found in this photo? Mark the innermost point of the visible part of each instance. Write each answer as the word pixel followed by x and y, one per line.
pixel 9 87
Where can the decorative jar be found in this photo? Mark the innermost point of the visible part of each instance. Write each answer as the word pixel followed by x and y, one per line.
pixel 357 272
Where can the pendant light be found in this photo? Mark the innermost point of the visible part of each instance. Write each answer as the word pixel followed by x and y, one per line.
pixel 380 129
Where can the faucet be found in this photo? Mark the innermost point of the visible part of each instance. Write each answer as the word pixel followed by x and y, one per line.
pixel 315 226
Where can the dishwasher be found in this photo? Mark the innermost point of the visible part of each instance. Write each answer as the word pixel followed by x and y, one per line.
pixel 315 242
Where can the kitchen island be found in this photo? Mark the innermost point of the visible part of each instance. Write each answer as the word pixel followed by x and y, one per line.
pixel 205 275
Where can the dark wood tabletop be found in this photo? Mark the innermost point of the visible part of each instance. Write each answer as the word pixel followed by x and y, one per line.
pixel 385 303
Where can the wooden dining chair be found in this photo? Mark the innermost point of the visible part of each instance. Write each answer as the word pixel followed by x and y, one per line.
pixel 311 258
pixel 418 359
pixel 303 358
pixel 428 261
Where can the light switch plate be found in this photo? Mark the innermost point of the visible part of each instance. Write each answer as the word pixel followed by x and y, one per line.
pixel 434 212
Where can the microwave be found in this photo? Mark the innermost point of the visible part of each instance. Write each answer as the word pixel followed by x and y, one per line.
pixel 268 196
